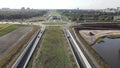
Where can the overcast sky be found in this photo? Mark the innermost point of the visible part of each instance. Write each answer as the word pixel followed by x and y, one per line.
pixel 60 4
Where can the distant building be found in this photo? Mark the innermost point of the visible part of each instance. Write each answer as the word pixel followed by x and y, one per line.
pixel 28 8
pixel 23 8
pixel 5 8
pixel 109 10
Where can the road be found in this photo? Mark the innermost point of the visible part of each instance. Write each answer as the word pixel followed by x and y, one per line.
pixel 27 53
pixel 51 18
pixel 78 54
pixel 24 58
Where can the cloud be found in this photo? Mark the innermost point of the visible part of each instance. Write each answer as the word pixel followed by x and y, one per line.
pixel 105 4
pixel 53 4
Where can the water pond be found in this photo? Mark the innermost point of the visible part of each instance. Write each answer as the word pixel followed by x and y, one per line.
pixel 109 50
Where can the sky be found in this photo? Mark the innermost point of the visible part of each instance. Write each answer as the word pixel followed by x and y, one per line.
pixel 60 4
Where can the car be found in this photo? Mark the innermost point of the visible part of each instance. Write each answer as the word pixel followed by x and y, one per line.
pixel 68 36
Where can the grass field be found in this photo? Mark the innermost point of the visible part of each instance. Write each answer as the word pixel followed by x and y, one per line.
pixel 54 13
pixel 6 28
pixel 53 51
pixel 116 18
pixel 54 21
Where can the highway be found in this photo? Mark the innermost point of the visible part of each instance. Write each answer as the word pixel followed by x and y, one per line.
pixel 80 58
pixel 24 58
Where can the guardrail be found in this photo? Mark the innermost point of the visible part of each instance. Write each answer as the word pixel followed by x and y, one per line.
pixel 79 54
pixel 24 58
pixel 71 48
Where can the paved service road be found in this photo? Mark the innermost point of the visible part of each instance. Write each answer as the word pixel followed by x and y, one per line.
pixel 28 51
pixel 9 40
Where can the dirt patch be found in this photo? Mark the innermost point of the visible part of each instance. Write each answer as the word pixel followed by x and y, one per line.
pixel 86 34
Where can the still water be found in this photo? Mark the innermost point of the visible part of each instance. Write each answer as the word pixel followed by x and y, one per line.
pixel 109 51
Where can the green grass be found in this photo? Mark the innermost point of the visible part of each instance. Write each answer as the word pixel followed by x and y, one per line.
pixel 113 36
pixel 116 18
pixel 8 29
pixel 54 21
pixel 99 40
pixel 52 52
pixel 54 13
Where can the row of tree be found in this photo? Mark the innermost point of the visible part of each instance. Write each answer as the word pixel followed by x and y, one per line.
pixel 87 15
pixel 20 14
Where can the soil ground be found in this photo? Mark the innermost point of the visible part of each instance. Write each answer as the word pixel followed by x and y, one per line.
pixel 97 33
